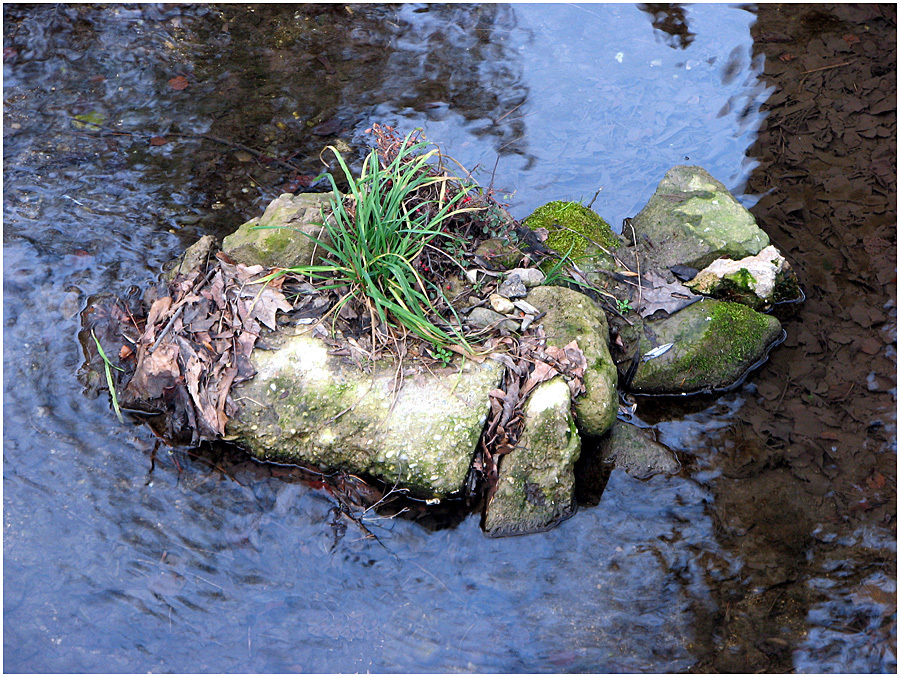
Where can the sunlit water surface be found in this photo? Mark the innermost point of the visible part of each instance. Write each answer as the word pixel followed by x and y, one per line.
pixel 111 568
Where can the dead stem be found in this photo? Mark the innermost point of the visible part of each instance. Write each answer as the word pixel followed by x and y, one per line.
pixel 637 262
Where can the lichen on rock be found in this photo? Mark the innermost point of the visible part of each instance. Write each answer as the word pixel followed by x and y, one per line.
pixel 536 485
pixel 306 406
pixel 691 220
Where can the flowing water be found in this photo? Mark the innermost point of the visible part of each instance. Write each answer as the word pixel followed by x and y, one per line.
pixel 121 556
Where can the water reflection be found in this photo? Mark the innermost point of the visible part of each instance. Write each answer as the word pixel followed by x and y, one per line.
pixel 671 20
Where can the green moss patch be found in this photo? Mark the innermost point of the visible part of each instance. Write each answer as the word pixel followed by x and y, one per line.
pixel 714 344
pixel 572 227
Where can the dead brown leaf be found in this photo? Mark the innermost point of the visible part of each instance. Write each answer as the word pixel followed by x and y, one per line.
pixel 154 373
pixel 661 295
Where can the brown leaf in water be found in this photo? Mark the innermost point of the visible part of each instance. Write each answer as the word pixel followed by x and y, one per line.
pixel 876 481
pixel 179 83
pixel 208 416
pixel 154 372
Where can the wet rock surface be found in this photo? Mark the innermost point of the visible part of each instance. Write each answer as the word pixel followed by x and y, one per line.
pixel 637 452
pixel 536 485
pixel 692 219
pixel 305 406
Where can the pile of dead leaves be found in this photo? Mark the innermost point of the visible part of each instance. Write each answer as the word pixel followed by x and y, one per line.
pixel 195 343
pixel 529 362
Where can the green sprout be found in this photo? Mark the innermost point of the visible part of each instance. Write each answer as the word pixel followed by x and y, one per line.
pixel 109 379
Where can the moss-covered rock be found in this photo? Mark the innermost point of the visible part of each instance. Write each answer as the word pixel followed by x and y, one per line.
pixel 306 406
pixel 573 316
pixel 714 345
pixel 536 484
pixel 757 281
pixel 691 220
pixel 576 230
pixel 280 238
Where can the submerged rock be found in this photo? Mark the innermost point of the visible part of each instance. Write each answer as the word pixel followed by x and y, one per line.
pixel 571 315
pixel 691 220
pixel 625 447
pixel 536 485
pixel 713 346
pixel 280 238
pixel 306 406
pixel 635 451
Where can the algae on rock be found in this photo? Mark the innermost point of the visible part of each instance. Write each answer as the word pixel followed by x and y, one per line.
pixel 536 484
pixel 571 315
pixel 714 345
pixel 306 406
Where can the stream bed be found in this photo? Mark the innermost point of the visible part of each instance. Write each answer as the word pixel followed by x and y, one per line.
pixel 130 131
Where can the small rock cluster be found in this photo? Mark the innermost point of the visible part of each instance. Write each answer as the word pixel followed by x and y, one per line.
pixel 674 310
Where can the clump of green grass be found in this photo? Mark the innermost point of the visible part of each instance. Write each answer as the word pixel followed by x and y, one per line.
pixel 395 210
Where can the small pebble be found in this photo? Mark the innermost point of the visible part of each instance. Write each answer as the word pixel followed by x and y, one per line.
pixel 512 287
pixel 501 304
pixel 526 321
pixel 531 277
pixel 526 307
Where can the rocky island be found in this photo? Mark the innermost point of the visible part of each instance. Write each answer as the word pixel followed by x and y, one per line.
pixel 430 342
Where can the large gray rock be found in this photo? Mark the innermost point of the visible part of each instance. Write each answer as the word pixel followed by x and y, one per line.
pixel 713 346
pixel 536 485
pixel 306 406
pixel 573 316
pixel 691 220
pixel 280 238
